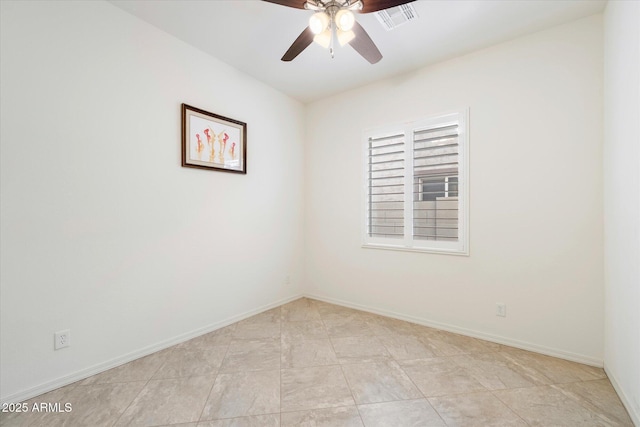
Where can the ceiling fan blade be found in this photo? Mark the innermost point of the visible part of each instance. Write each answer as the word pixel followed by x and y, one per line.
pixel 376 5
pixel 304 39
pixel 363 44
pixel 298 4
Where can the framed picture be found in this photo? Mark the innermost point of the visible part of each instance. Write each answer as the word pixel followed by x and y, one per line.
pixel 210 141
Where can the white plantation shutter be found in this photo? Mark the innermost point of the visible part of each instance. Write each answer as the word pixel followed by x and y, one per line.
pixel 416 185
pixel 435 183
pixel 386 189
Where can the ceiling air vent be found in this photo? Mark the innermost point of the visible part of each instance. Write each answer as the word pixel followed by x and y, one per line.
pixel 396 16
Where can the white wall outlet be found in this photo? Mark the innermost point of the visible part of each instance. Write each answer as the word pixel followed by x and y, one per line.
pixel 501 309
pixel 287 280
pixel 62 339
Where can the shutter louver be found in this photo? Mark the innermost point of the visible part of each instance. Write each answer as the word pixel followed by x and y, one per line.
pixel 386 162
pixel 435 183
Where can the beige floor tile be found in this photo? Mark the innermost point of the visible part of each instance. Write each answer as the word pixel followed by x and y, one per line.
pixel 547 406
pixel 387 326
pixel 475 409
pixel 139 370
pixel 301 354
pixel 252 355
pixel 496 372
pixel 241 394
pixel 252 329
pixel 595 371
pixel 359 349
pixel 554 370
pixel 15 418
pixel 325 309
pixel 443 343
pixel 311 330
pixel 406 413
pixel 440 377
pixel 379 382
pixel 600 397
pixel 301 310
pixel 271 420
pixel 424 330
pixel 406 347
pixel 191 362
pixel 272 315
pixel 346 416
pixel 337 313
pixel 180 425
pixel 220 337
pixel 314 388
pixel 93 405
pixel 348 327
pixel 170 401
pixel 22 418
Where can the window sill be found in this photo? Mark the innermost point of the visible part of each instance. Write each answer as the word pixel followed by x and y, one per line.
pixel 423 250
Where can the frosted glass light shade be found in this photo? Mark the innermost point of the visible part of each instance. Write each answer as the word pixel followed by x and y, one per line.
pixel 345 20
pixel 324 38
pixel 318 22
pixel 344 37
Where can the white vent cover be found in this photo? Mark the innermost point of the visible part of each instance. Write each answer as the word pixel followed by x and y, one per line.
pixel 396 16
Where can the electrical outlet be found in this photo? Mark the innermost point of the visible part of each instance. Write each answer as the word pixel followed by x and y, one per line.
pixel 62 339
pixel 501 310
pixel 287 280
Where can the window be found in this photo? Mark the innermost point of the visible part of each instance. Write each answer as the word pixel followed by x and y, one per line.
pixel 432 187
pixel 416 185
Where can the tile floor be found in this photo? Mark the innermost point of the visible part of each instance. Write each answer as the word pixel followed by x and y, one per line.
pixel 309 363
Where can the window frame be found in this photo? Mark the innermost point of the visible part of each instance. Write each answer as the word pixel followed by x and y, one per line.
pixel 445 191
pixel 408 243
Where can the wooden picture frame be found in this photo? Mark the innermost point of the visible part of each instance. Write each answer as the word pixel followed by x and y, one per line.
pixel 214 142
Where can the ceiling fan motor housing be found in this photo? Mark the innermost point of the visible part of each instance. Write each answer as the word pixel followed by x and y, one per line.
pixel 333 5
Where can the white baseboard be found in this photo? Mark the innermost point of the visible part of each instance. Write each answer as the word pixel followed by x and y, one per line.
pixel 129 357
pixel 574 357
pixel 626 401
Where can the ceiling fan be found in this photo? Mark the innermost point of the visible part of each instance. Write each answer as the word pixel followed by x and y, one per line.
pixel 335 19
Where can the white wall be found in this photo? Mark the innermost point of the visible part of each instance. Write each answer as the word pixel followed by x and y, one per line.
pixel 622 200
pixel 102 231
pixel 536 195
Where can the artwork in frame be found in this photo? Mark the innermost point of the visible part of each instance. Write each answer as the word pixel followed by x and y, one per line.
pixel 210 141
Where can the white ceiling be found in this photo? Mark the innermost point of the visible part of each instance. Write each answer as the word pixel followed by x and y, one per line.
pixel 252 36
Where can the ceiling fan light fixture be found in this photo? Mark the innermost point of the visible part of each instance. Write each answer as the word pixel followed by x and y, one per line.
pixel 324 38
pixel 318 22
pixel 345 19
pixel 344 37
pixel 334 19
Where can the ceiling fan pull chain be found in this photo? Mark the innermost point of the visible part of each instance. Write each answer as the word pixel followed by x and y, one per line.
pixel 332 29
pixel 331 47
